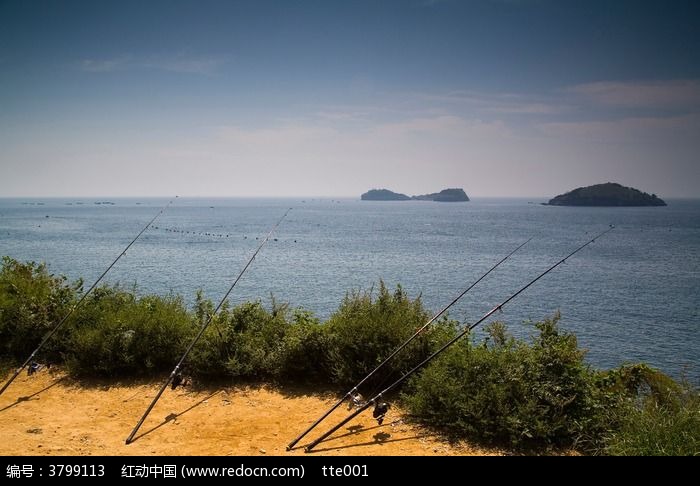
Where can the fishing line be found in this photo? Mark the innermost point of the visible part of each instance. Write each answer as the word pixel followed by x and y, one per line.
pixel 175 376
pixel 353 393
pixel 382 407
pixel 48 336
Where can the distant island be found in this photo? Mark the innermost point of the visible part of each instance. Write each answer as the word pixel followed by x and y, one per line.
pixel 608 194
pixel 446 195
pixel 383 195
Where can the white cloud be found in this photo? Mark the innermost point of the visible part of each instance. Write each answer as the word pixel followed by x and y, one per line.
pixel 323 131
pixel 415 154
pixel 203 65
pixel 488 143
pixel 441 126
pixel 632 129
pixel 499 103
pixel 105 65
pixel 679 96
pixel 669 94
pixel 176 64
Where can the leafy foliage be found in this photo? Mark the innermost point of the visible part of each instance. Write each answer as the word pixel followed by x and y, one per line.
pixel 116 333
pixel 657 415
pixel 365 330
pixel 505 390
pixel 539 393
pixel 244 342
pixel 32 301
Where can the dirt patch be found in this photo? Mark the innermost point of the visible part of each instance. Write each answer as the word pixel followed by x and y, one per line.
pixel 47 414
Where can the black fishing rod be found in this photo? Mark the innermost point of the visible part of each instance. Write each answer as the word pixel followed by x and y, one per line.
pixel 381 407
pixel 354 390
pixel 175 376
pixel 70 312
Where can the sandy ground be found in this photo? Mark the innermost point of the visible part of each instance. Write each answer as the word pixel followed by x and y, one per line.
pixel 47 414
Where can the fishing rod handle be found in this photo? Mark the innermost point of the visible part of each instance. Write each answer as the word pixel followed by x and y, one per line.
pixel 455 339
pixel 406 343
pixel 347 419
pixel 315 424
pixel 130 439
pixel 202 329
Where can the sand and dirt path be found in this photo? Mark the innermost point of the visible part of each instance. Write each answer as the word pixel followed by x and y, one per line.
pixel 48 414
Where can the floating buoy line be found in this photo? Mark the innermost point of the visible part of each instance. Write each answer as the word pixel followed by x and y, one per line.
pixel 206 234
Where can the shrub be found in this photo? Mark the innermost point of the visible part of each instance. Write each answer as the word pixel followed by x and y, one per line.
pixel 505 390
pixel 655 429
pixel 247 341
pixel 32 302
pixel 257 337
pixel 304 356
pixel 116 333
pixel 207 360
pixel 526 394
pixel 365 330
pixel 658 416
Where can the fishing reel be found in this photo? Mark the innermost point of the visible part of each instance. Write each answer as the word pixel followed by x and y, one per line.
pixel 356 400
pixel 178 380
pixel 380 410
pixel 33 368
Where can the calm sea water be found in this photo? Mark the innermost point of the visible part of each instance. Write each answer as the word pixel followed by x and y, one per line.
pixel 634 295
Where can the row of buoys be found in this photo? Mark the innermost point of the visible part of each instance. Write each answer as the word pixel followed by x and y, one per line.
pixel 199 233
pixel 202 233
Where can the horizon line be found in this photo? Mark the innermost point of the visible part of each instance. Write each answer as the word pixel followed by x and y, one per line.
pixel 334 197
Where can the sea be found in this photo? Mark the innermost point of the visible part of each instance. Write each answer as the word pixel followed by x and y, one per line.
pixel 631 296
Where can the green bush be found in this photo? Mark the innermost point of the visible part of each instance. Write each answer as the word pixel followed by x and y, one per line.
pixel 304 357
pixel 505 390
pixel 251 342
pixel 207 360
pixel 32 303
pixel 526 394
pixel 365 330
pixel 116 333
pixel 257 338
pixel 654 430
pixel 657 415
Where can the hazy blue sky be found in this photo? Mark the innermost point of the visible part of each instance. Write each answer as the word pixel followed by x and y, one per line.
pixel 313 98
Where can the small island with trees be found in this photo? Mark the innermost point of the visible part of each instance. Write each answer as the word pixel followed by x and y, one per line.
pixel 446 195
pixel 383 195
pixel 608 194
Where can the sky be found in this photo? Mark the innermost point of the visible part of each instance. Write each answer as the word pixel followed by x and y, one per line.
pixel 332 98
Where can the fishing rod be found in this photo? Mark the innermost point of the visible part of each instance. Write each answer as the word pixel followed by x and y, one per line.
pixel 381 407
pixel 175 376
pixel 353 391
pixel 73 309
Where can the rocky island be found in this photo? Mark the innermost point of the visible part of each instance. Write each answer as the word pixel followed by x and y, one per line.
pixel 383 195
pixel 446 195
pixel 608 194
